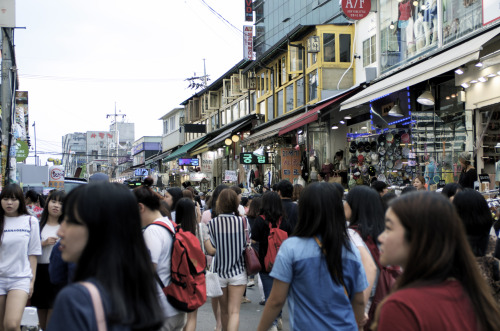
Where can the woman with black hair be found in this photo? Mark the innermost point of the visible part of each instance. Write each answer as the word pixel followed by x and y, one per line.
pixel 34 203
pixel 101 232
pixel 19 248
pixel 318 269
pixel 365 225
pixel 449 190
pixel 45 292
pixel 441 287
pixel 271 215
pixel 172 195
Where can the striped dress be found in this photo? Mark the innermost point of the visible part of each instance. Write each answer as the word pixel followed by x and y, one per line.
pixel 227 235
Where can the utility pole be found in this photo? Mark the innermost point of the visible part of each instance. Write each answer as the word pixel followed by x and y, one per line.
pixel 193 81
pixel 115 115
pixel 9 80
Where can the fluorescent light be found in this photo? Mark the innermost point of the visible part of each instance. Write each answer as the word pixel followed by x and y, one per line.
pixel 335 127
pixel 453 95
pixel 473 81
pixel 348 117
pixel 491 75
pixel 465 85
pixel 482 79
pixel 479 64
pixel 459 71
pixel 363 128
pixel 342 122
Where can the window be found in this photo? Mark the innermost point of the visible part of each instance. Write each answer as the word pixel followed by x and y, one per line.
pixel 300 92
pixel 280 102
pixel 345 48
pixel 243 107
pixel 313 85
pixel 270 108
pixel 223 118
pixel 214 122
pixel 234 109
pixel 312 59
pixel 262 84
pixel 271 74
pixel 228 116
pixel 262 107
pixel 165 126
pixel 295 58
pixel 283 70
pixel 172 123
pixel 329 47
pixel 369 50
pixel 253 102
pixel 289 97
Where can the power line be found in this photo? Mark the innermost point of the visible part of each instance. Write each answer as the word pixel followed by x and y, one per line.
pixel 97 80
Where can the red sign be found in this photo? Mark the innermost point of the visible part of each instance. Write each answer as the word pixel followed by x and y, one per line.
pixel 248 42
pixel 248 11
pixel 356 9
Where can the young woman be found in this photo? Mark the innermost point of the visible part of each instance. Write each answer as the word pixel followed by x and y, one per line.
pixel 187 219
pixel 271 213
pixel 419 183
pixel 318 269
pixel 19 247
pixel 441 287
pixel 34 204
pixel 365 224
pixel 297 189
pixel 449 190
pixel 45 292
pixel 189 194
pixel 159 243
pixel 469 174
pixel 172 195
pixel 253 212
pixel 101 232
pixel 229 264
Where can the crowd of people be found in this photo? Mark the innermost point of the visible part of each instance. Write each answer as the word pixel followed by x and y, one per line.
pixel 362 260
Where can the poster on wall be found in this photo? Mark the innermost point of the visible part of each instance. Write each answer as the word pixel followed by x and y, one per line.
pixel 207 162
pixel 290 163
pixel 230 176
pixel 491 11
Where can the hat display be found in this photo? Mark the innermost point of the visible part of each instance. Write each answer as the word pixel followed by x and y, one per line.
pixel 398 164
pixel 368 147
pixel 374 146
pixel 352 183
pixel 405 138
pixel 374 157
pixel 361 158
pixel 353 160
pixel 371 171
pixel 381 139
pixel 381 150
pixel 382 178
pixel 389 138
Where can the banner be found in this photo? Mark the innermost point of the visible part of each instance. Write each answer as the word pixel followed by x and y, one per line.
pixel 248 42
pixel 290 164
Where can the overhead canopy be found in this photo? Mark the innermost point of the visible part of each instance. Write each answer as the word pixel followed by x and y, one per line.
pixel 270 130
pixel 158 157
pixel 432 67
pixel 183 150
pixel 229 132
pixel 304 119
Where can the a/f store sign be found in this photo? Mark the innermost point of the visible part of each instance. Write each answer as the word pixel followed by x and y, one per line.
pixel 356 9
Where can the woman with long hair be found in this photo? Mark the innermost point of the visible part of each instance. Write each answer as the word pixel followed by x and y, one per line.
pixel 45 292
pixel 366 223
pixel 450 189
pixel 159 242
pixel 228 247
pixel 477 219
pixel 297 189
pixel 19 248
pixel 441 287
pixel 253 212
pixel 101 233
pixel 172 195
pixel 189 194
pixel 34 203
pixel 271 215
pixel 318 269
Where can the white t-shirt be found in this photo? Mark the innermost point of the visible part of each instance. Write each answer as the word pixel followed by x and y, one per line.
pixel 241 210
pixel 159 242
pixel 47 232
pixel 21 238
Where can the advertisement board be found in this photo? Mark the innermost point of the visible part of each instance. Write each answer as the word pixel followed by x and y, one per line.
pixel 290 164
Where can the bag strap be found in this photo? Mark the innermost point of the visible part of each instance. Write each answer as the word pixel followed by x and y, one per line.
pixel 246 230
pixel 324 253
pixel 97 303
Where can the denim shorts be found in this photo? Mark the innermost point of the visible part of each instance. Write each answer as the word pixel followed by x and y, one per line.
pixel 14 283
pixel 240 279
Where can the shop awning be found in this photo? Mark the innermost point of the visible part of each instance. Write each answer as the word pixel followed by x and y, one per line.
pixel 432 67
pixel 269 131
pixel 229 132
pixel 304 119
pixel 198 150
pixel 183 150
pixel 158 157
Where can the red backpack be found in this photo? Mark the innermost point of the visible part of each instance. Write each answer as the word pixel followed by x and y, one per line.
pixel 187 289
pixel 274 241
pixel 386 279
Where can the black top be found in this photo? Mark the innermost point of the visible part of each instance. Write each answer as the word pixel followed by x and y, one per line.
pixel 291 212
pixel 467 178
pixel 260 233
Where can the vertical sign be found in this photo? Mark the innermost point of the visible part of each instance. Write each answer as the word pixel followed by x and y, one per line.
pixel 207 162
pixel 248 11
pixel 491 11
pixel 248 42
pixel 290 164
pixel 7 13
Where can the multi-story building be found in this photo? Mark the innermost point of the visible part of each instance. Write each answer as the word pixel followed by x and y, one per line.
pixel 74 147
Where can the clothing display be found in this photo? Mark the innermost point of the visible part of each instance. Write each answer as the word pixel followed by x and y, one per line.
pixel 327 170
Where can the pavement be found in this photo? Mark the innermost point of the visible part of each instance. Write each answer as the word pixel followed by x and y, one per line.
pixel 250 313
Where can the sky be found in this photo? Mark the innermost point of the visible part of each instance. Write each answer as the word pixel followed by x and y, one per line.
pixel 78 58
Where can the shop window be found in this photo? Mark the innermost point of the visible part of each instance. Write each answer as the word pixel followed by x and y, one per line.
pixel 299 84
pixel 223 118
pixel 262 107
pixel 235 111
pixel 312 58
pixel 284 76
pixel 369 50
pixel 172 123
pixel 345 48
pixel 459 19
pixel 270 108
pixel 253 102
pixel 243 107
pixel 279 95
pixel 313 85
pixel 295 56
pixel 289 97
pixel 329 47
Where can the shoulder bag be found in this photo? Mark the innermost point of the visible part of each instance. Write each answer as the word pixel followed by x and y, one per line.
pixel 252 262
pixel 97 303
pixel 212 280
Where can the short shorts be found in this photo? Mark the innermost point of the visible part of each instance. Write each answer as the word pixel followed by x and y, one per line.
pixel 240 279
pixel 13 283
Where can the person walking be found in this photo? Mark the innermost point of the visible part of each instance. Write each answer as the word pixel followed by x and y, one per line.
pixel 290 209
pixel 318 270
pixel 441 287
pixel 101 233
pixel 19 248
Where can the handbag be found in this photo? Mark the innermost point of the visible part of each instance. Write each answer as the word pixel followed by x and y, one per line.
pixel 212 282
pixel 97 304
pixel 252 262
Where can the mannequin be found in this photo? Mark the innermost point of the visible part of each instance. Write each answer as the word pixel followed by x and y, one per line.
pixel 405 12
pixel 268 178
pixel 327 169
pixel 313 162
pixel 299 180
pixel 418 30
pixel 430 21
pixel 303 167
pixel 430 172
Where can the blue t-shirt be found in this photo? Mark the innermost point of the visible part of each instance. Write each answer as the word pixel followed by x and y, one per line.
pixel 315 301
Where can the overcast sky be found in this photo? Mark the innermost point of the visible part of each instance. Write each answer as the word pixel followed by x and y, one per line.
pixel 77 58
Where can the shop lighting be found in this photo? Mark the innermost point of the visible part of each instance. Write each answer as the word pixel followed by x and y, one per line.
pixel 392 26
pixel 335 127
pixel 363 128
pixel 426 98
pixel 491 75
pixel 348 117
pixel 424 7
pixel 465 85
pixel 228 141
pixel 460 70
pixel 473 81
pixel 448 97
pixel 479 64
pixel 482 79
pixel 396 110
pixel 453 95
pixel 300 131
pixel 235 138
pixel 415 3
pixel 498 72
pixel 342 122
pixel 259 151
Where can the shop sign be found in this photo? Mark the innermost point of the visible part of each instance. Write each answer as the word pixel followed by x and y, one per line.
pixel 197 176
pixel 248 42
pixel 207 162
pixel 188 162
pixel 22 150
pixel 248 11
pixel 230 176
pixel 313 45
pixel 250 158
pixel 356 9
pixel 290 164
pixel 141 172
pixel 491 11
pixel 484 178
